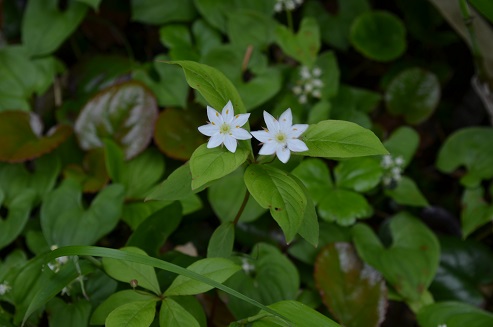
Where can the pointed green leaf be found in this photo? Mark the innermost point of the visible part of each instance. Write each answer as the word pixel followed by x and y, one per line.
pixel 309 228
pixel 133 314
pixel 344 207
pixel 222 241
pixel 359 174
pixel 407 193
pixel 173 314
pixel 157 12
pixel 454 314
pixel 176 187
pixel 62 314
pixel 277 191
pixel 125 271
pixel 218 269
pixel 340 139
pixel 207 165
pixel 475 210
pixel 403 142
pixel 315 174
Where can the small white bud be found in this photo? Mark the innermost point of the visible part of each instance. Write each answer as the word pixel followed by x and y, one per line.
pixel 317 94
pixel 297 90
pixel 317 72
pixel 317 82
pixel 305 73
pixel 308 87
pixel 5 288
pixel 302 99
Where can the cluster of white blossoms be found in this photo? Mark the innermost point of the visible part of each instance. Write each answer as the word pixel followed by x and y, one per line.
pixel 392 169
pixel 309 84
pixel 280 137
pixel 287 5
pixel 58 263
pixel 5 288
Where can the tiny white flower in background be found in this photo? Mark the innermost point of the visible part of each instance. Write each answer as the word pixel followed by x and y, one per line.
pixel 65 291
pixel 442 325
pixel 281 136
pixel 287 5
pixel 225 128
pixel 392 169
pixel 5 288
pixel 309 84
pixel 246 266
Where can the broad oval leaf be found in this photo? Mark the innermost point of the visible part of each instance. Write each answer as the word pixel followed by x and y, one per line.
pixel 277 191
pixel 125 271
pixel 340 139
pixel 476 211
pixel 19 209
pixel 410 263
pixel 379 35
pixel 176 187
pixel 315 175
pixel 454 314
pixel 403 142
pixel 42 38
pixel 217 269
pixel 157 12
pixel 407 193
pixel 344 207
pixel 133 314
pixel 75 314
pixel 173 314
pixel 359 174
pixel 207 165
pixel 125 113
pixel 414 93
pixel 352 290
pixel 176 132
pixel 21 136
pixel 469 147
pixel 65 221
pixel 222 241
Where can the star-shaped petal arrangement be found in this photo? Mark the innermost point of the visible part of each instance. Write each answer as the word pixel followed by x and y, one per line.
pixel 281 136
pixel 225 128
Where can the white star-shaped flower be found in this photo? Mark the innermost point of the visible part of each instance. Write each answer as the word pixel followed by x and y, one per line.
pixel 225 128
pixel 281 137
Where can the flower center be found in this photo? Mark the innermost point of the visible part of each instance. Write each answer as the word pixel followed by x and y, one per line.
pixel 225 128
pixel 281 138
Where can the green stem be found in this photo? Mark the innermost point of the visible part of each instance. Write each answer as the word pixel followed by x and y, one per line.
pixel 476 51
pixel 289 17
pixel 243 205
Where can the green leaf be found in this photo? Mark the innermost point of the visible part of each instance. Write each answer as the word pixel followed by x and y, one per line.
pixel 340 139
pixel 62 314
pixel 19 209
pixel 116 300
pixel 454 314
pixel 344 207
pixel 157 12
pixel 125 271
pixel 134 213
pixel 41 38
pixel 133 314
pixel 304 45
pixel 91 173
pixel 403 142
pixel 277 191
pixel 327 62
pixel 65 221
pixel 267 276
pixel 469 147
pixel 21 136
pixel 353 104
pixel 94 4
pixel 129 111
pixel 464 270
pixel 413 93
pixel 212 85
pixel 309 228
pixel 298 313
pixel 173 314
pixel 176 132
pixel 475 210
pixel 218 269
pixel 379 35
pixel 352 290
pixel 410 263
pixel 320 111
pixel 315 175
pixel 222 241
pixel 262 87
pixel 153 232
pixel 170 87
pixel 407 193
pixel 250 28
pixel 358 174
pixel 142 259
pixel 485 7
pixel 207 165
pixel 336 26
pixel 226 196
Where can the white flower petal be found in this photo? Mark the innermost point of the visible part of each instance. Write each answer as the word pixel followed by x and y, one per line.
pixel 209 129
pixel 286 120
pixel 296 145
pixel 283 154
pixel 268 148
pixel 228 112
pixel 296 130
pixel 271 122
pixel 214 116
pixel 215 140
pixel 263 136
pixel 230 143
pixel 240 120
pixel 240 134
